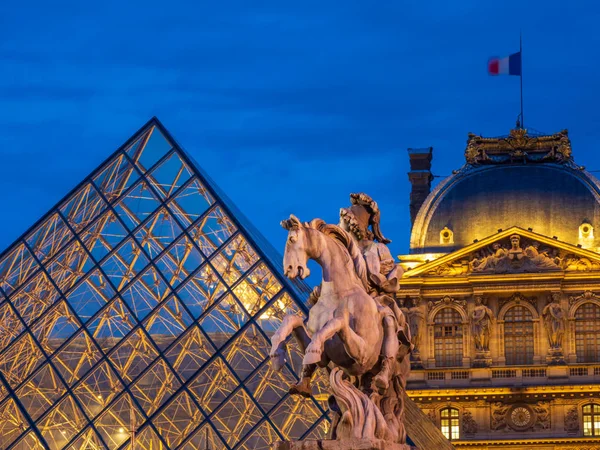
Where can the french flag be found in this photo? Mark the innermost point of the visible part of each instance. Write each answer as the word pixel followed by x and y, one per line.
pixel 511 65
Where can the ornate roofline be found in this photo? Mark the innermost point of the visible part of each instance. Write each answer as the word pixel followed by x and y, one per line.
pixel 519 146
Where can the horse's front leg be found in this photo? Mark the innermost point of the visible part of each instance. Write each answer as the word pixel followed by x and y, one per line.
pixel 289 323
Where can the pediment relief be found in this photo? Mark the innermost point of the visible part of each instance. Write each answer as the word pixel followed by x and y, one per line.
pixel 513 251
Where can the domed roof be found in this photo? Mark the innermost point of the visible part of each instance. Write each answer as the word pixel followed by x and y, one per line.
pixel 529 182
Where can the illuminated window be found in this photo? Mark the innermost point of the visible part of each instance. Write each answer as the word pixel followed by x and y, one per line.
pixel 448 338
pixel 518 336
pixel 591 420
pixel 587 333
pixel 449 422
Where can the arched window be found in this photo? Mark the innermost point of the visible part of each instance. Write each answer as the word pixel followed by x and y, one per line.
pixel 587 333
pixel 448 338
pixel 449 423
pixel 591 420
pixel 518 336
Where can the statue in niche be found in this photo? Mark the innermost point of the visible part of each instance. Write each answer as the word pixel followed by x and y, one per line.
pixel 481 325
pixel 554 321
pixel 414 318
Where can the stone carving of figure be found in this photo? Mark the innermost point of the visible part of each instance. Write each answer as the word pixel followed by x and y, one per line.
pixel 554 321
pixel 539 259
pixel 498 421
pixel 364 213
pixel 489 262
pixel 481 325
pixel 415 318
pixel 515 253
pixel 469 424
pixel 542 411
pixel 361 220
pixel 572 420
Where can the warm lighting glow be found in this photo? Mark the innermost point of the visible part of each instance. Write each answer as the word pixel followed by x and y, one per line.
pixel 121 430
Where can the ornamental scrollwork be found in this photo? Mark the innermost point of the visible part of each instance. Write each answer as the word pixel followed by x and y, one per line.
pixel 517 298
pixel 587 295
pixel 447 300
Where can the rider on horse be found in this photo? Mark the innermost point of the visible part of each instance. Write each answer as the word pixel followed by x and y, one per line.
pixel 382 275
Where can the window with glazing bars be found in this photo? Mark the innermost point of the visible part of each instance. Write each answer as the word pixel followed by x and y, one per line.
pixel 591 420
pixel 448 337
pixel 587 333
pixel 450 423
pixel 518 336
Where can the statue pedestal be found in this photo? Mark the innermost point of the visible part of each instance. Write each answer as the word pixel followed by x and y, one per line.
pixel 482 359
pixel 415 360
pixel 555 357
pixel 346 444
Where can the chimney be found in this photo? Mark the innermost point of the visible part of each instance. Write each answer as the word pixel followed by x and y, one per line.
pixel 420 178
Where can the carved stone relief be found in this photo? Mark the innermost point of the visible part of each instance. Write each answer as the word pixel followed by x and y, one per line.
pixel 572 420
pixel 521 255
pixel 432 416
pixel 542 412
pixel 520 416
pixel 498 416
pixel 469 424
pixel 515 254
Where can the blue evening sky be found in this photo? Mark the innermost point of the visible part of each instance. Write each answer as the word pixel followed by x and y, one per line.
pixel 289 106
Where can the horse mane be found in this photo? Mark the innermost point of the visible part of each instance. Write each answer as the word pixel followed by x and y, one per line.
pixel 344 238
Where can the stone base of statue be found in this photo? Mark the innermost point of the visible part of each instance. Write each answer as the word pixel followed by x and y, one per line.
pixel 555 357
pixel 415 360
pixel 346 444
pixel 482 359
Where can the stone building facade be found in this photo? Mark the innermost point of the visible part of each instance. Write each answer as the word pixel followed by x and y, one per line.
pixel 502 292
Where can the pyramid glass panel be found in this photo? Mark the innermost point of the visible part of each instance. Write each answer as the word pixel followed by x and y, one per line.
pixel 137 314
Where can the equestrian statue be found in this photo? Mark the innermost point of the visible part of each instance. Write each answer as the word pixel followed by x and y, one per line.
pixel 355 329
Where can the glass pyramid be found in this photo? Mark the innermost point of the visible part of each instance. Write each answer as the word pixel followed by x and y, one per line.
pixel 137 313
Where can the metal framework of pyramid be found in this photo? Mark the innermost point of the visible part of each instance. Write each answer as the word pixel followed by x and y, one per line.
pixel 137 314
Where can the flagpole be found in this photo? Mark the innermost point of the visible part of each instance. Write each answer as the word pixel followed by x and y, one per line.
pixel 521 76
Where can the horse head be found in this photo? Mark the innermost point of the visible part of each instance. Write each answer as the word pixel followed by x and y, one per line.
pixel 295 257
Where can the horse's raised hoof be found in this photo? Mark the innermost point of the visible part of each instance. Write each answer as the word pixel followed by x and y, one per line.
pixel 278 359
pixel 303 388
pixel 312 355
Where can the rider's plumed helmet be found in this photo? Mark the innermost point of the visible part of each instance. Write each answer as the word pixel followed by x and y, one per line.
pixel 363 213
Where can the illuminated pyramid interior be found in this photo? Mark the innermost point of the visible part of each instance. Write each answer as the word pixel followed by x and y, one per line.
pixel 137 314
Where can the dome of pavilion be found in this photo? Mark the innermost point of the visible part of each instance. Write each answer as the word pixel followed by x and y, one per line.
pixel 521 180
